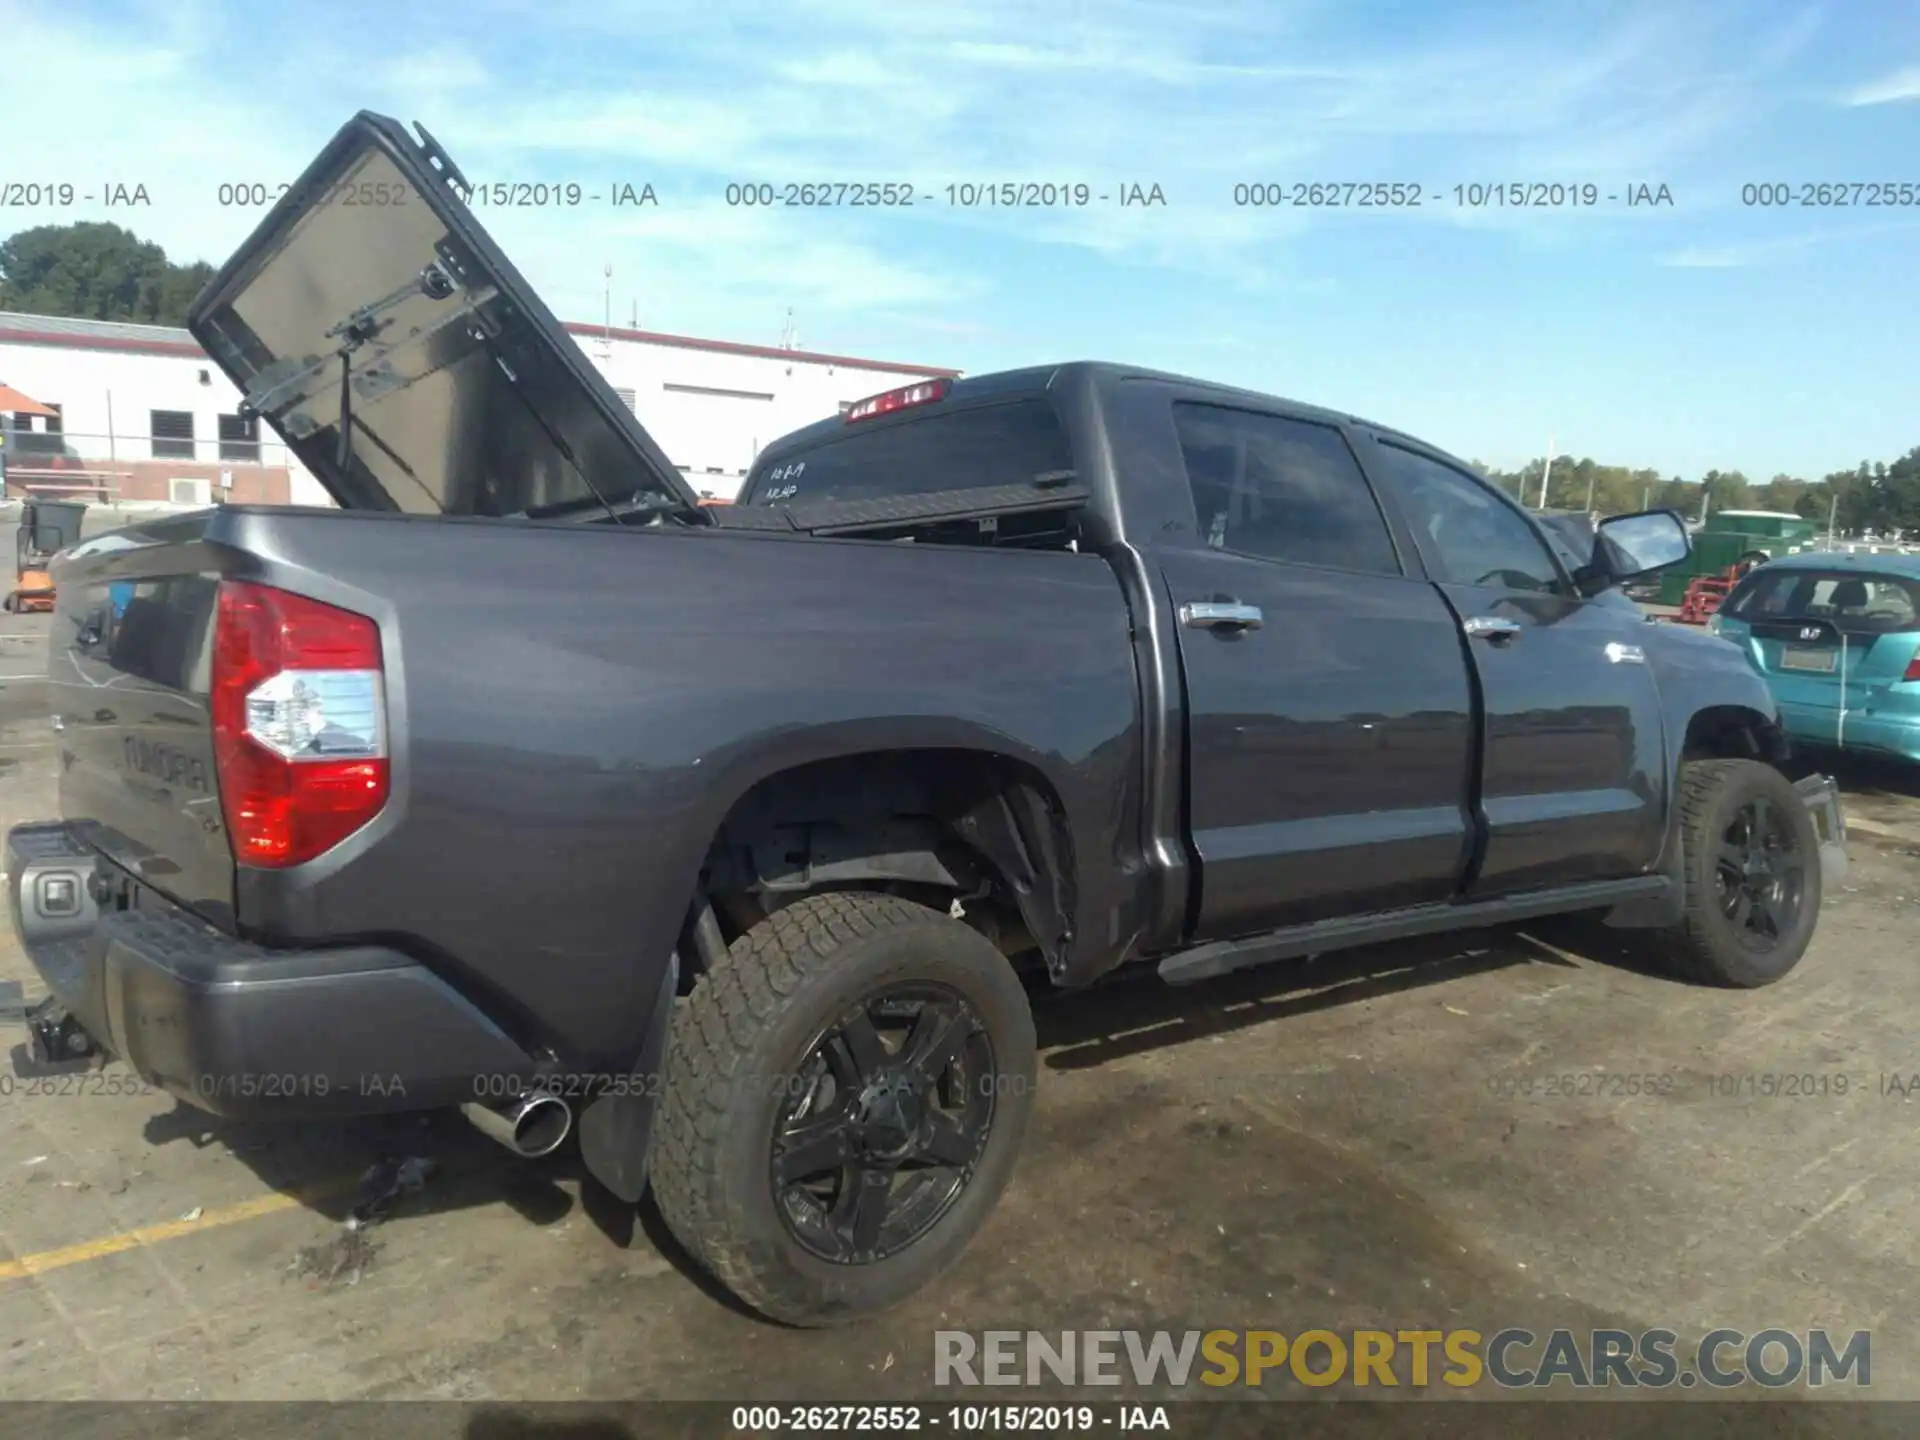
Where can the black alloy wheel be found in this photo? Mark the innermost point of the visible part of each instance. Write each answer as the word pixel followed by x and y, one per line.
pixel 1762 874
pixel 848 1087
pixel 884 1123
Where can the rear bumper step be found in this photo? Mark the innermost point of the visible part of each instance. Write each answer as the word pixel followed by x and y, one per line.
pixel 54 1036
pixel 234 1028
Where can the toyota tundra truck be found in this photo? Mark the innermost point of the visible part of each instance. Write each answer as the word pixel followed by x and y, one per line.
pixel 732 842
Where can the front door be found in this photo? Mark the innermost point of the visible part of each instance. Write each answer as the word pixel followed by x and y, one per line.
pixel 1329 716
pixel 1572 783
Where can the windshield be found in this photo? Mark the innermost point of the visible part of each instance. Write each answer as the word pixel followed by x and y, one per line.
pixel 1858 604
pixel 1003 444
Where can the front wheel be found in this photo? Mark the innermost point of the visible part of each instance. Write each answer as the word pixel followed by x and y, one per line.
pixel 845 1098
pixel 1751 857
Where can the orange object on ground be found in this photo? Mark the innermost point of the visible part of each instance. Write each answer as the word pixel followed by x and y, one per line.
pixel 35 592
pixel 46 528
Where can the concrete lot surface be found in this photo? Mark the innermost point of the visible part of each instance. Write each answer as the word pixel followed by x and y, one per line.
pixel 1371 1141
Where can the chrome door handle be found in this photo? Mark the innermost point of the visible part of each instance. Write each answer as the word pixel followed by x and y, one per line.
pixel 1493 628
pixel 1220 614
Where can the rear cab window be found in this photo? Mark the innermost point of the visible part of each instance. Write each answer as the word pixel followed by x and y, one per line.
pixel 1854 602
pixel 1281 489
pixel 1001 442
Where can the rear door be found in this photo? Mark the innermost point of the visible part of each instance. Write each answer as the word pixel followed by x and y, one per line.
pixel 1573 765
pixel 1832 644
pixel 1329 719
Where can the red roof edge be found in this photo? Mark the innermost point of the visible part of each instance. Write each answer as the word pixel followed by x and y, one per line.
pixel 645 337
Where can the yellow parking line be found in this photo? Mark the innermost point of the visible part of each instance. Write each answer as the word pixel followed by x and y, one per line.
pixel 45 1260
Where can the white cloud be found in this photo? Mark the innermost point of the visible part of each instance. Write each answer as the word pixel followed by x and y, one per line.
pixel 1737 255
pixel 729 270
pixel 153 123
pixel 1730 257
pixel 436 72
pixel 1192 97
pixel 1888 89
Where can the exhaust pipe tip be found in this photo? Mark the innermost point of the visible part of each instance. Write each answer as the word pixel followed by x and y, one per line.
pixel 531 1126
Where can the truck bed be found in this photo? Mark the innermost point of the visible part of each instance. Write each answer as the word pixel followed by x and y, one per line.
pixel 572 710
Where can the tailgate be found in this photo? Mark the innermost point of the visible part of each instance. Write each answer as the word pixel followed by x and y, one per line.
pixel 128 663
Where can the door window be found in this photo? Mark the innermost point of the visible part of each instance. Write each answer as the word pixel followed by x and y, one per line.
pixel 1469 534
pixel 1281 489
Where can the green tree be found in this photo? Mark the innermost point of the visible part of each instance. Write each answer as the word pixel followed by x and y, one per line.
pixel 1902 492
pixel 95 271
pixel 1783 492
pixel 1677 494
pixel 1727 490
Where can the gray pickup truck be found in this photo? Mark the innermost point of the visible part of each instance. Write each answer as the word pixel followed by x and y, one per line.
pixel 733 840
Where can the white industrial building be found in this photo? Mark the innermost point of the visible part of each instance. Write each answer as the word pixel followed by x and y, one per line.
pixel 142 414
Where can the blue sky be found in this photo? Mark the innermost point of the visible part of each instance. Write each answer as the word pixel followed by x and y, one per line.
pixel 1705 333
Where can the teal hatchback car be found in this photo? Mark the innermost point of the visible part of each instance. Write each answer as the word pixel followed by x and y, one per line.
pixel 1837 638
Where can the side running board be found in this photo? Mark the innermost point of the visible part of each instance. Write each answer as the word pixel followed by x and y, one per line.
pixel 1224 956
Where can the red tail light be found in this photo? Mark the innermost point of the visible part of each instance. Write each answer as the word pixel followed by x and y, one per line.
pixel 1913 668
pixel 888 401
pixel 299 723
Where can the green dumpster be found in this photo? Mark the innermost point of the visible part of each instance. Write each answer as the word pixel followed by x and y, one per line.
pixel 1738 537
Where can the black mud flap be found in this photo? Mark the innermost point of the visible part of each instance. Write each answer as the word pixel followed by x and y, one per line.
pixel 616 1130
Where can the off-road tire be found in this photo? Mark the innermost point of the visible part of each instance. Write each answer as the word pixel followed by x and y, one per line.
pixel 747 1025
pixel 1705 946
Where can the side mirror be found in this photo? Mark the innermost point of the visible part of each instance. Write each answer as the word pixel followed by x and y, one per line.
pixel 1627 546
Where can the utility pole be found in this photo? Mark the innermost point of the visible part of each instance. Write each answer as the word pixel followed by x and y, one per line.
pixel 1590 479
pixel 1546 471
pixel 605 347
pixel 1833 514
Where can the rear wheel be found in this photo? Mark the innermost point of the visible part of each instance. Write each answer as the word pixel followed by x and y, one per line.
pixel 1751 857
pixel 845 1099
